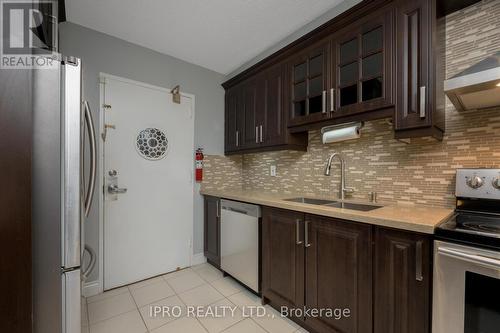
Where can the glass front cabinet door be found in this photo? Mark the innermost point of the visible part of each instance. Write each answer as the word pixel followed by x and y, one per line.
pixel 308 81
pixel 362 66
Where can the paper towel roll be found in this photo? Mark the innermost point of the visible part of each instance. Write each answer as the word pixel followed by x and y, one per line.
pixel 337 133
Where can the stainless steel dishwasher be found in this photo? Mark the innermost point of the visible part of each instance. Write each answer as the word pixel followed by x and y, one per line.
pixel 240 242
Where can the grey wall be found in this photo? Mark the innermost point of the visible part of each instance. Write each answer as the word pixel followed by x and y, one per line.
pixel 107 54
pixel 327 16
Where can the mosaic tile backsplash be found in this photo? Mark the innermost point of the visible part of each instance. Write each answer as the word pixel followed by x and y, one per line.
pixel 222 172
pixel 421 172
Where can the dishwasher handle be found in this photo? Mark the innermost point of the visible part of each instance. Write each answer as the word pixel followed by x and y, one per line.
pixel 240 208
pixel 236 210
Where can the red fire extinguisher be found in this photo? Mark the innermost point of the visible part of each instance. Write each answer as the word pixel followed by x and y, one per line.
pixel 199 165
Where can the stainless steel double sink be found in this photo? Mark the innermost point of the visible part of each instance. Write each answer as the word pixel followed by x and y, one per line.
pixel 337 204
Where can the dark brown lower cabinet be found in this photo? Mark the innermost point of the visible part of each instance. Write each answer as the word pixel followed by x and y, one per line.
pixel 381 276
pixel 339 274
pixel 211 246
pixel 282 257
pixel 403 272
pixel 312 262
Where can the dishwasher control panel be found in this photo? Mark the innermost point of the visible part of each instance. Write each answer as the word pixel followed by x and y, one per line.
pixel 241 207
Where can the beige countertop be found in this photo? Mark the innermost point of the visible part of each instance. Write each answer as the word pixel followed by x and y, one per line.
pixel 412 218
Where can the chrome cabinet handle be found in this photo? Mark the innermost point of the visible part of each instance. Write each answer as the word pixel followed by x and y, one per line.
pixel 332 100
pixel 306 234
pixel 323 102
pixel 114 189
pixel 217 214
pixel 93 159
pixel 422 102
pixel 419 262
pixel 297 232
pixel 256 134
pixel 261 137
pixel 237 138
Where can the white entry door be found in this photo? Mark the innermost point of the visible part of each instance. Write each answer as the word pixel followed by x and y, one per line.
pixel 148 151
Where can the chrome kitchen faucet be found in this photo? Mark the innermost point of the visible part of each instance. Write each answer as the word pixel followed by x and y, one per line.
pixel 343 189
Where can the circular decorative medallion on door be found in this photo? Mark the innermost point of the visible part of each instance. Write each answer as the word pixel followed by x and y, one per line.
pixel 152 144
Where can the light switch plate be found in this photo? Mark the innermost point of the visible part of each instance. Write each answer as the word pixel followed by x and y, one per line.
pixel 272 171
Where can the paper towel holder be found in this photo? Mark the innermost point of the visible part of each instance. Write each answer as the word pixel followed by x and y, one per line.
pixel 341 132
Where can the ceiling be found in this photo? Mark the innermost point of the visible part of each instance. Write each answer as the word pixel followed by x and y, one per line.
pixel 220 35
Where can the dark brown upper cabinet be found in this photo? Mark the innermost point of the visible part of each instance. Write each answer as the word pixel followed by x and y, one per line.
pixel 380 59
pixel 255 116
pixel 241 116
pixel 251 136
pixel 308 81
pixel 362 65
pixel 271 118
pixel 233 119
pixel 211 243
pixel 420 70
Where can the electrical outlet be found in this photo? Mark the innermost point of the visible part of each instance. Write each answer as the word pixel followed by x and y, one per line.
pixel 272 171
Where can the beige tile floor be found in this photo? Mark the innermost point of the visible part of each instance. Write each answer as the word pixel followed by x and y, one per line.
pixel 127 309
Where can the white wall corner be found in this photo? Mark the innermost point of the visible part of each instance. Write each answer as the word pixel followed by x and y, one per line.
pixel 198 258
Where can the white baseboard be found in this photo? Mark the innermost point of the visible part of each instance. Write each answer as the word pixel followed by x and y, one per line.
pixel 91 288
pixel 198 258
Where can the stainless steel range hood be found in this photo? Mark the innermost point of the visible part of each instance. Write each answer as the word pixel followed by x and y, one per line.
pixel 477 87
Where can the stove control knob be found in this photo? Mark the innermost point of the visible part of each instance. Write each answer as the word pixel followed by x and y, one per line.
pixel 496 183
pixel 475 182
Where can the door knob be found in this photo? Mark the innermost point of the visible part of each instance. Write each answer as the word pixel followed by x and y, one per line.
pixel 114 189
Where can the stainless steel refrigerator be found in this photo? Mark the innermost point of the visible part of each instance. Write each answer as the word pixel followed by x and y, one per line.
pixel 62 194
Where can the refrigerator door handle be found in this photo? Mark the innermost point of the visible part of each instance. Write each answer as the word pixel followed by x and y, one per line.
pixel 89 121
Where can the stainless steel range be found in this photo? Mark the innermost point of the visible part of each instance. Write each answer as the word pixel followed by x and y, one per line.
pixel 467 258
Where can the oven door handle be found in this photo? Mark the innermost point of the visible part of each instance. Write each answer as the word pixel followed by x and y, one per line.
pixel 469 257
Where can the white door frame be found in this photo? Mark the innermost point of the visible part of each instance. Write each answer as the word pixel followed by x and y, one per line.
pixel 102 81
